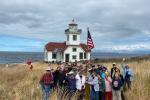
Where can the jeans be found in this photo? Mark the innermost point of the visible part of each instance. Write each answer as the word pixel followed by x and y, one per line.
pixel 128 82
pixel 101 95
pixel 45 91
pixel 94 95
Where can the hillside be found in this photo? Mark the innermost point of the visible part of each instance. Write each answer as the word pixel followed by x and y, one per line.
pixel 17 82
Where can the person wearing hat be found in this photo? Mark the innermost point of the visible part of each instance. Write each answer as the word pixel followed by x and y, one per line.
pixel 127 75
pixel 46 82
pixel 80 84
pixel 71 84
pixel 94 86
pixel 101 78
pixel 113 69
pixel 59 77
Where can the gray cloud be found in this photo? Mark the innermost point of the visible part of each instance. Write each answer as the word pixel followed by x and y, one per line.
pixel 47 19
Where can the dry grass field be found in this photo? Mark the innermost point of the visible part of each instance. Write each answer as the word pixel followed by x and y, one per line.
pixel 17 82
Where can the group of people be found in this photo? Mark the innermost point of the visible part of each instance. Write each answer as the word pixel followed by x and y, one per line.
pixel 104 84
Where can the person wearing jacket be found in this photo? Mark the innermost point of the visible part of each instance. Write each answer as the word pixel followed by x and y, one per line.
pixel 94 86
pixel 116 86
pixel 71 82
pixel 127 75
pixel 46 83
pixel 80 84
pixel 122 80
pixel 108 84
pixel 113 69
pixel 101 78
pixel 59 77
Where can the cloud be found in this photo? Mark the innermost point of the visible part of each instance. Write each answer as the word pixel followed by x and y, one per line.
pixel 111 22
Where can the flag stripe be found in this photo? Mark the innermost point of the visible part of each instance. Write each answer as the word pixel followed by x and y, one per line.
pixel 90 43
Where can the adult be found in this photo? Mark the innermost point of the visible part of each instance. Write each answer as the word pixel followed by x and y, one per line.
pixel 127 75
pixel 46 82
pixel 80 84
pixel 122 81
pixel 113 69
pixel 116 85
pixel 59 77
pixel 94 86
pixel 101 78
pixel 29 63
pixel 71 84
pixel 108 85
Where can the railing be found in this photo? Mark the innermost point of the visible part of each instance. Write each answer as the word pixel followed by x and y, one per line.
pixel 72 30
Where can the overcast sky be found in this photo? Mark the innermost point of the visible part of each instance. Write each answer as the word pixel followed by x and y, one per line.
pixel 115 25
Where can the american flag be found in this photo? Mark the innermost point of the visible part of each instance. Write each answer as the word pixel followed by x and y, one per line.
pixel 90 43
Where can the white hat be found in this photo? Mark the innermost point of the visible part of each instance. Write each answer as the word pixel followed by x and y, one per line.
pixel 89 69
pixel 114 63
pixel 48 68
pixel 71 72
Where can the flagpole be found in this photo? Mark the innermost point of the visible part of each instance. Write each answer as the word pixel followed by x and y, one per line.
pixel 89 62
pixel 87 43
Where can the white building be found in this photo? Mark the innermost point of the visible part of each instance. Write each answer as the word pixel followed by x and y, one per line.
pixel 69 51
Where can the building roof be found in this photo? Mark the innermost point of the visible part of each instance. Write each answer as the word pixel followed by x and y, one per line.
pixel 52 46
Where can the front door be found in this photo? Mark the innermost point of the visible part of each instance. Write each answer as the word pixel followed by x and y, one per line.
pixel 66 57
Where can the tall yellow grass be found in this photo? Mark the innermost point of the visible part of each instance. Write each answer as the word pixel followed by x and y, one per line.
pixel 17 82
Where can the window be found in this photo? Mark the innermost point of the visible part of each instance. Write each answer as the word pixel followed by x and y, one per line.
pixel 54 56
pixel 74 49
pixel 74 37
pixel 67 37
pixel 81 55
pixel 74 57
pixel 85 56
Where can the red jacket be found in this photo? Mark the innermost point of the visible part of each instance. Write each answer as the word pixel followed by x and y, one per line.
pixel 47 79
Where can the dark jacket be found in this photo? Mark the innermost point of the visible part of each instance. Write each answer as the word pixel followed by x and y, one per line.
pixel 112 72
pixel 59 76
pixel 71 84
pixel 116 83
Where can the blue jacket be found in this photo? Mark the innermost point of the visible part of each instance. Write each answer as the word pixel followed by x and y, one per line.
pixel 125 70
pixel 71 84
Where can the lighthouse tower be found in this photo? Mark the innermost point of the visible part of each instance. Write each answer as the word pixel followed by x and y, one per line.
pixel 69 51
pixel 73 34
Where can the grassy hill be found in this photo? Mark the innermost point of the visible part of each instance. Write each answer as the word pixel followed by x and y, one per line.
pixel 17 82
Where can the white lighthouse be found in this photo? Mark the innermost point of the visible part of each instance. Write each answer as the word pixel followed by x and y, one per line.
pixel 69 51
pixel 73 34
